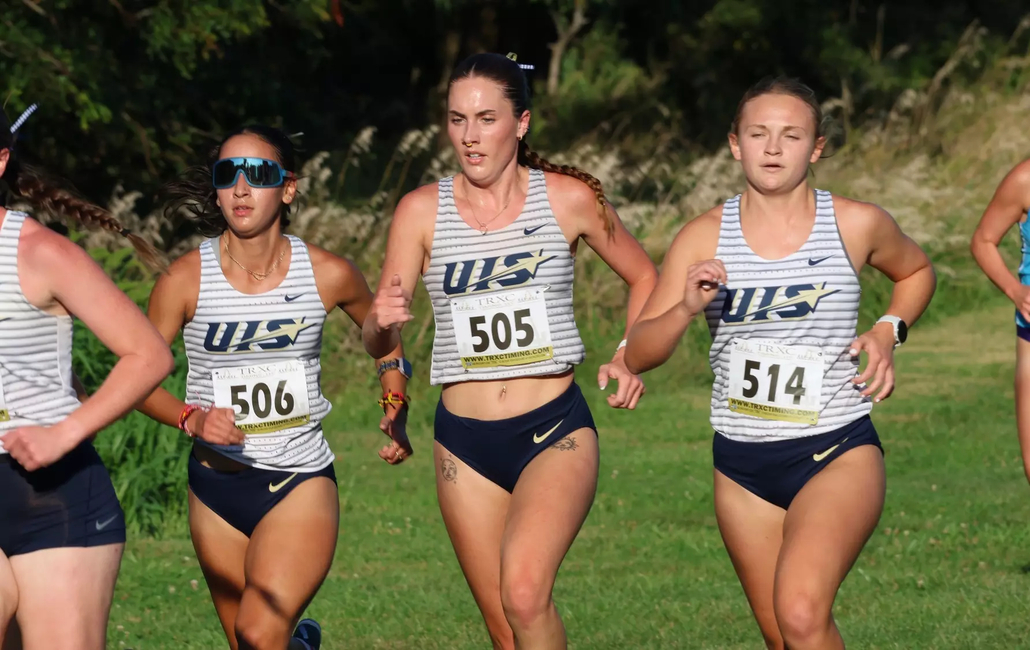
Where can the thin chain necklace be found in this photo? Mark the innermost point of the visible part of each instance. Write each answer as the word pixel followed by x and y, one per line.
pixel 257 275
pixel 482 226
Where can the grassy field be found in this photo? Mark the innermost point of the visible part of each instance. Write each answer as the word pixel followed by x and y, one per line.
pixel 947 568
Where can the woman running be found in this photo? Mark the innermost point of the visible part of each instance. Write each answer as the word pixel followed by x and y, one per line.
pixel 799 473
pixel 495 246
pixel 1011 205
pixel 62 529
pixel 251 303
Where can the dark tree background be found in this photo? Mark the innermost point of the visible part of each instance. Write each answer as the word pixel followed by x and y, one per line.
pixel 132 91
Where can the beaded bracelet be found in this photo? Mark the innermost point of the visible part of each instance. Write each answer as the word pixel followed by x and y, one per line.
pixel 187 411
pixel 391 397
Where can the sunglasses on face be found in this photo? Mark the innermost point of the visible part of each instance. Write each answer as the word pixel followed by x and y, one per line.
pixel 258 172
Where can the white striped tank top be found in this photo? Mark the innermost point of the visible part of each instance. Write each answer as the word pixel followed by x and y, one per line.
pixel 35 348
pixel 502 301
pixel 259 355
pixel 781 331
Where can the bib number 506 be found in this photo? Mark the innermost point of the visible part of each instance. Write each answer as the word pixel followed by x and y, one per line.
pixel 501 329
pixel 261 400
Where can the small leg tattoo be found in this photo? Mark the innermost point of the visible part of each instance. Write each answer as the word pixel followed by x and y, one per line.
pixel 449 470
pixel 567 443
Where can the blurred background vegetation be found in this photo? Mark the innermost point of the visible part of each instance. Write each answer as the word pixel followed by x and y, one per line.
pixel 930 99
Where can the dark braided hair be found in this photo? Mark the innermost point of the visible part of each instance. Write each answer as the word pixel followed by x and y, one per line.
pixel 506 73
pixel 33 185
pixel 195 194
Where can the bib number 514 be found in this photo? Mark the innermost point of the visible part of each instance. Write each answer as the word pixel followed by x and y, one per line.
pixel 795 384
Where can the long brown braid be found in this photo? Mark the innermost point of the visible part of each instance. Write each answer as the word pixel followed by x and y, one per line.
pixel 28 183
pixel 532 159
pixel 506 72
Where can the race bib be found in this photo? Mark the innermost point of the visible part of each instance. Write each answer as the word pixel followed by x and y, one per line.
pixel 775 381
pixel 5 415
pixel 266 398
pixel 502 329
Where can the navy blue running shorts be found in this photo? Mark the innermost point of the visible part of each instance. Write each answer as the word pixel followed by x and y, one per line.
pixel 243 497
pixel 776 471
pixel 501 449
pixel 71 503
pixel 1023 332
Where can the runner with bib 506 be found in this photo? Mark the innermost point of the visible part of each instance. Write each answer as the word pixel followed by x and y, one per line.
pixel 251 303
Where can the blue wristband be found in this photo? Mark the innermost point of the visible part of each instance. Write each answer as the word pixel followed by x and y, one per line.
pixel 401 364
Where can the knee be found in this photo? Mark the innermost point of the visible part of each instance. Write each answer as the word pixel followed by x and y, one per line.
pixel 526 598
pixel 802 619
pixel 260 632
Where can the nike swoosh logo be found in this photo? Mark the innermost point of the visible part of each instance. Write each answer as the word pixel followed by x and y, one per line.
pixel 812 262
pixel 278 486
pixel 101 526
pixel 292 298
pixel 530 231
pixel 819 457
pixel 538 439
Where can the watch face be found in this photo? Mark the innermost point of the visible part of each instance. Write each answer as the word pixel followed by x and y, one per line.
pixel 902 331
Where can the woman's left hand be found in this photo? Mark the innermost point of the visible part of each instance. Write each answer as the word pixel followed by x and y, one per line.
pixel 394 426
pixel 631 387
pixel 37 447
pixel 878 344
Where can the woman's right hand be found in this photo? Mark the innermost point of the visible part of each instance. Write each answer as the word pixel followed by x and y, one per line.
pixel 216 426
pixel 392 305
pixel 1021 298
pixel 703 280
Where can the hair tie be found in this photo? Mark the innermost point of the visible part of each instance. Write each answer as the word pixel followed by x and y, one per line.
pixel 124 232
pixel 23 117
pixel 525 66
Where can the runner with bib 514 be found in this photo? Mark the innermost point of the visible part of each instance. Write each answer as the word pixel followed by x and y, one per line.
pixel 799 472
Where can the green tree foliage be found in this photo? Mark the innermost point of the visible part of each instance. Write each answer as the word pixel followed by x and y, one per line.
pixel 134 90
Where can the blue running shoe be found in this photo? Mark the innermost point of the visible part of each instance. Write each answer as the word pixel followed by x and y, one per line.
pixel 310 632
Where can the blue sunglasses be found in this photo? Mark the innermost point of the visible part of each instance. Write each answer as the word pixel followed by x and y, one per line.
pixel 259 172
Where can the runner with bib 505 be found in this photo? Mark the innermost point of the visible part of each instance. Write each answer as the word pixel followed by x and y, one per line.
pixel 495 246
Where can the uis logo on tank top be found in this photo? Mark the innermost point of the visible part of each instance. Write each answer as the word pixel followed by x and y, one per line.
pixel 476 275
pixel 254 335
pixel 775 303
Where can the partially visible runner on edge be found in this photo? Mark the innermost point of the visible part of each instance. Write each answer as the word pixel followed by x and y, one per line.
pixel 799 471
pixel 495 246
pixel 251 303
pixel 62 529
pixel 1011 205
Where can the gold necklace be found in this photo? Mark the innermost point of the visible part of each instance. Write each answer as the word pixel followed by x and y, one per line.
pixel 482 226
pixel 256 274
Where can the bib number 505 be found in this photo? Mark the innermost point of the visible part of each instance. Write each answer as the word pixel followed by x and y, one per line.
pixel 501 329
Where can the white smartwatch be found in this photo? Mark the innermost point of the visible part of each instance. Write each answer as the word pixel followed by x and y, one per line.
pixel 900 328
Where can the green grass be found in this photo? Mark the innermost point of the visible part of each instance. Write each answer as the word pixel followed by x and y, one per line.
pixel 945 568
